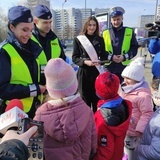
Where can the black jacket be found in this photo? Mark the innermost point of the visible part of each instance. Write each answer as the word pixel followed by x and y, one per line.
pixel 88 74
pixel 13 150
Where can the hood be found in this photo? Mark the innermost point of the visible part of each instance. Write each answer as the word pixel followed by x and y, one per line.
pixel 64 120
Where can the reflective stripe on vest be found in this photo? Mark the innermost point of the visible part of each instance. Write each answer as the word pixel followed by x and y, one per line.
pixel 55 47
pixel 125 46
pixel 19 68
pixel 42 56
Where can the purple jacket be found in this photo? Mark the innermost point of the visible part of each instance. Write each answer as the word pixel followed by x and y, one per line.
pixel 70 131
pixel 148 148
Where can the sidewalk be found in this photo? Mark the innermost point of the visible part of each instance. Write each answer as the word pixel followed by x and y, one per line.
pixel 148 64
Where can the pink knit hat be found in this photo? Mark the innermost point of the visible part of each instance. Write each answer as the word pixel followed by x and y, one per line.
pixel 61 80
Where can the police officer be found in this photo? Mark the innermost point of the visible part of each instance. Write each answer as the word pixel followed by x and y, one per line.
pixel 43 34
pixel 120 43
pixel 20 63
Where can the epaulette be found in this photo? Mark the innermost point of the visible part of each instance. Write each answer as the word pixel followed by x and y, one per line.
pixel 3 43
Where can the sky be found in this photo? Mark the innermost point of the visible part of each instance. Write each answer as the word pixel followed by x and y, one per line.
pixel 133 8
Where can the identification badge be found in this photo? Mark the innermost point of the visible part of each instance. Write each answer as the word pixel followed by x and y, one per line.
pixel 103 140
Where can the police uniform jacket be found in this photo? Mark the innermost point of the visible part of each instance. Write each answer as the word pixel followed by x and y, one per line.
pixel 45 42
pixel 28 52
pixel 117 36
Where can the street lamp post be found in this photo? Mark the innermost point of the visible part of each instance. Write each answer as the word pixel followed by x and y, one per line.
pixel 155 16
pixel 63 19
pixel 85 9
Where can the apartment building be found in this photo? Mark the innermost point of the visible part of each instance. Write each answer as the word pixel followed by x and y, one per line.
pixel 68 23
pixel 158 13
pixel 144 19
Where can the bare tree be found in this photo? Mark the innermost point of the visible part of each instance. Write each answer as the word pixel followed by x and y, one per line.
pixel 3 25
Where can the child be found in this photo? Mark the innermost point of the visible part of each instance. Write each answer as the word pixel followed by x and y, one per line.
pixel 136 89
pixel 112 118
pixel 69 127
pixel 149 146
pixel 155 88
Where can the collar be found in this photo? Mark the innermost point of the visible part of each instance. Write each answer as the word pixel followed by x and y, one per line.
pixel 127 89
pixel 66 99
pixel 13 40
pixel 112 103
pixel 31 46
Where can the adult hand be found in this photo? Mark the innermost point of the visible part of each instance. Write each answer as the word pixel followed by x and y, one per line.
pixel 89 63
pixel 118 58
pixel 96 63
pixel 24 137
pixel 42 88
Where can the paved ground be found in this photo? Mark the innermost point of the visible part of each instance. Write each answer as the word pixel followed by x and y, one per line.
pixel 148 64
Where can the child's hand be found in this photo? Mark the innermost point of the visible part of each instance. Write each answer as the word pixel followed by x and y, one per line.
pixel 139 134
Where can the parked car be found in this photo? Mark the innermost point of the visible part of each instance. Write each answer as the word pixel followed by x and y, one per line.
pixel 142 42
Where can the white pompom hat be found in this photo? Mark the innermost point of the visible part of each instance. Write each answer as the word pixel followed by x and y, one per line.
pixel 135 70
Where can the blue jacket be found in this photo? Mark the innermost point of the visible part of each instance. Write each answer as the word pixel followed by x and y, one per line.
pixel 156 65
pixel 148 148
pixel 154 48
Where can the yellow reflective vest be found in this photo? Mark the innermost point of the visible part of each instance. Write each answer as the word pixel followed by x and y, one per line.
pixel 125 45
pixel 20 73
pixel 55 48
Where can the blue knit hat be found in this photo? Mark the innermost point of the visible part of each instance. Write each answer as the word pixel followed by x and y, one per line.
pixel 20 14
pixel 42 12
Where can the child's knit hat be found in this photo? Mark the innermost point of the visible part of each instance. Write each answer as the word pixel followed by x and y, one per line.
pixel 61 80
pixel 135 70
pixel 107 85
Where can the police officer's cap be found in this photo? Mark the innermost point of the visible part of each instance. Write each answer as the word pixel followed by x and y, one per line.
pixel 116 11
pixel 20 14
pixel 42 12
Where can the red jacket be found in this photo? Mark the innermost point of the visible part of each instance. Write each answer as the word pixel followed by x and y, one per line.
pixel 111 138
